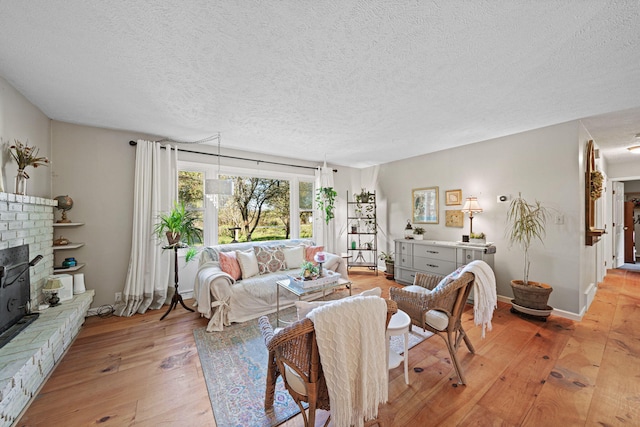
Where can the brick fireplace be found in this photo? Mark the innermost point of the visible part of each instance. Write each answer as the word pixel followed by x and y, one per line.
pixel 27 360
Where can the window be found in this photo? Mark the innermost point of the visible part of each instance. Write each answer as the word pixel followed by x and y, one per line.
pixel 190 192
pixel 266 207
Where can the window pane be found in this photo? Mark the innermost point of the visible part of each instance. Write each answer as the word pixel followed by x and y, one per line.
pixel 190 189
pixel 306 224
pixel 259 206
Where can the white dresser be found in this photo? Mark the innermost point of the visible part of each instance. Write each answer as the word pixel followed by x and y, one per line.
pixel 436 257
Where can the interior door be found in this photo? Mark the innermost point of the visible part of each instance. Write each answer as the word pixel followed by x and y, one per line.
pixel 629 238
pixel 618 224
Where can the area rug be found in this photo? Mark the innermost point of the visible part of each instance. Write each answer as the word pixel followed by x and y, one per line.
pixel 234 364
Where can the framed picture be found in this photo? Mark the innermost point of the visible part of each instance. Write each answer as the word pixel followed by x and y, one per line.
pixel 453 197
pixel 425 205
pixel 453 218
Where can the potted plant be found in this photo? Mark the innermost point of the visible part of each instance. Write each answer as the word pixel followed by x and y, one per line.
pixel 418 233
pixel 477 238
pixel 526 223
pixel 326 198
pixel 179 226
pixel 389 262
pixel 308 271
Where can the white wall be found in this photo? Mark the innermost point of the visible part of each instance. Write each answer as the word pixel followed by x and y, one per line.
pixel 21 120
pixel 543 164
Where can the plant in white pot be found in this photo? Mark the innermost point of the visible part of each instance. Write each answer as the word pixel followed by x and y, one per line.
pixel 418 233
pixel 526 223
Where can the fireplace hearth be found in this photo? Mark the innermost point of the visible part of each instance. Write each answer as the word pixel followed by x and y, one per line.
pixel 15 288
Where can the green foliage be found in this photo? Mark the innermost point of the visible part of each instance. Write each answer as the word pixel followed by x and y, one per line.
pixel 387 257
pixel 190 254
pixel 526 223
pixel 310 267
pixel 325 198
pixel 477 236
pixel 418 230
pixel 179 221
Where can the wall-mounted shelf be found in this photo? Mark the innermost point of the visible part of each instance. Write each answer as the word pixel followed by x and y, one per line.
pixel 68 270
pixel 68 246
pixel 56 248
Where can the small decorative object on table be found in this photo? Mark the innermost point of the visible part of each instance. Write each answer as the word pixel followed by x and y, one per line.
pixel 25 156
pixel 408 230
pixel 52 287
pixel 329 277
pixel 69 262
pixel 477 238
pixel 320 258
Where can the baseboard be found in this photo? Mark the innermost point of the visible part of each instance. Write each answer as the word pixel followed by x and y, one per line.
pixel 188 294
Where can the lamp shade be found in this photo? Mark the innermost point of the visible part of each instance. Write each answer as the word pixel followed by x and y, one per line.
pixel 221 187
pixel 471 205
pixel 53 284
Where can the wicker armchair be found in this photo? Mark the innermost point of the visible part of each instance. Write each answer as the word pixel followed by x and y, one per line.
pixel 293 353
pixel 438 310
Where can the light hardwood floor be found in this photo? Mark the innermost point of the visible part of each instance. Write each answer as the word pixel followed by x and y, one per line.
pixel 140 371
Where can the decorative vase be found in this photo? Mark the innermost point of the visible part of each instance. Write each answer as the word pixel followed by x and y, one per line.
pixel 21 182
pixel 417 236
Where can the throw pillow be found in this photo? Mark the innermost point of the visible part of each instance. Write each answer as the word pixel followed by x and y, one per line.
pixel 449 278
pixel 304 307
pixel 270 259
pixel 248 263
pixel 293 256
pixel 311 251
pixel 229 264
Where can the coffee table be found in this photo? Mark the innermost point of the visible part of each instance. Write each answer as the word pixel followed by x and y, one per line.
pixel 301 292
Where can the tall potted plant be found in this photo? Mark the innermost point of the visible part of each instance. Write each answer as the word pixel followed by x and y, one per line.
pixel 526 223
pixel 389 263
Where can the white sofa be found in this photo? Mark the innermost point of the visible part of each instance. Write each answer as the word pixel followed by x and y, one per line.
pixel 224 300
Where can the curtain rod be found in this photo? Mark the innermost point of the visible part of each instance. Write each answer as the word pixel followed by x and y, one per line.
pixel 134 143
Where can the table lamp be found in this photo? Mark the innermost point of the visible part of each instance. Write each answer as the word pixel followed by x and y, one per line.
pixel 471 206
pixel 52 287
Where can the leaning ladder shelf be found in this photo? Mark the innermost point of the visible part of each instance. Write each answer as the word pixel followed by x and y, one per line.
pixel 362 232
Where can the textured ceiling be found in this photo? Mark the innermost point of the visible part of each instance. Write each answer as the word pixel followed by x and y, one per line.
pixel 357 82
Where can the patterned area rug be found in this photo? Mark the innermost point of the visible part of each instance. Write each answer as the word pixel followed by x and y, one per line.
pixel 234 364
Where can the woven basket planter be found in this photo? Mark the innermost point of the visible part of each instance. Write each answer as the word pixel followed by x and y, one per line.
pixel 389 270
pixel 533 295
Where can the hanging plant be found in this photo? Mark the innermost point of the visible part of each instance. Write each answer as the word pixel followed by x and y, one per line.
pixel 325 198
pixel 596 185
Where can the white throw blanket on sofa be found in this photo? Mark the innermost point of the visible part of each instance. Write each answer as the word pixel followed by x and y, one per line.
pixel 351 340
pixel 485 299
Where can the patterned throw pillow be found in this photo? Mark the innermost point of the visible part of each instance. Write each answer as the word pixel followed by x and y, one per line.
pixel 229 264
pixel 270 259
pixel 311 251
pixel 449 278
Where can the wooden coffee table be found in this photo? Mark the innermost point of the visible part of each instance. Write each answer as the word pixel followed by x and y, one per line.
pixel 301 292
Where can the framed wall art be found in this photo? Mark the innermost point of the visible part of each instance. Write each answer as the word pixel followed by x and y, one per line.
pixel 453 218
pixel 453 197
pixel 425 205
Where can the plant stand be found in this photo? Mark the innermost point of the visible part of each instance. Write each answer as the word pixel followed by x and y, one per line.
pixel 177 298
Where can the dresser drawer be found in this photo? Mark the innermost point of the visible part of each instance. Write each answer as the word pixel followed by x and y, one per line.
pixel 434 266
pixel 435 252
pixel 405 276
pixel 403 254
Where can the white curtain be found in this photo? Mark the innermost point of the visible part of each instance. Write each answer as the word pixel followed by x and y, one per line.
pixel 155 192
pixel 323 233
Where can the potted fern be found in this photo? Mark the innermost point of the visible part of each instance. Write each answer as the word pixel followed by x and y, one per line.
pixel 179 227
pixel 526 223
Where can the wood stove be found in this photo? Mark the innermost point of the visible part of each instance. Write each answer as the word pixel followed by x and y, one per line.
pixel 15 290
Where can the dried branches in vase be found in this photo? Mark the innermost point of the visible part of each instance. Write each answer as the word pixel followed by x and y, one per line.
pixel 24 155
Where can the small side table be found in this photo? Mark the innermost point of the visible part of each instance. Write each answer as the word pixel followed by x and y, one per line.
pixel 399 325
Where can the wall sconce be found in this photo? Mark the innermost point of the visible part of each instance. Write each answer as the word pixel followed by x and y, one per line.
pixel 471 206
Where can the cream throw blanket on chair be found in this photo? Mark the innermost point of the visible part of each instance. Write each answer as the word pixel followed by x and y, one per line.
pixel 485 299
pixel 351 340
